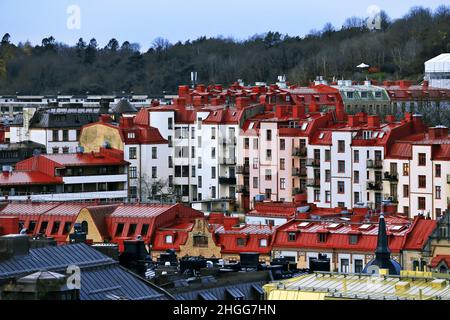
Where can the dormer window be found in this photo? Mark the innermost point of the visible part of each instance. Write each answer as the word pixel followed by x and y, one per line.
pixel 353 239
pixel 263 243
pixel 131 135
pixel 169 239
pixel 240 242
pixel 292 236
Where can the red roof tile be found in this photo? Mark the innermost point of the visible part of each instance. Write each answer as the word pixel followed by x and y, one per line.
pixel 28 177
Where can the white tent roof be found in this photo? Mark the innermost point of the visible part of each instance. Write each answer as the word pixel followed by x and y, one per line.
pixel 363 65
pixel 441 63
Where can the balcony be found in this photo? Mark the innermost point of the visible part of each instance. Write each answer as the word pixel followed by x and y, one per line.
pixel 299 152
pixel 296 191
pixel 391 198
pixel 374 164
pixel 227 180
pixel 228 141
pixel 228 161
pixel 243 169
pixel 299 172
pixel 242 189
pixel 314 183
pixel 313 162
pixel 376 186
pixel 390 176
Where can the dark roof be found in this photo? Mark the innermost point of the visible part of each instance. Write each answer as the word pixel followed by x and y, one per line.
pixel 123 106
pixel 102 278
pixel 63 118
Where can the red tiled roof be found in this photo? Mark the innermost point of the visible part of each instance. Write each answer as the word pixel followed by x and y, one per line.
pixel 28 177
pixel 20 208
pixel 85 159
pixel 419 233
pixel 438 259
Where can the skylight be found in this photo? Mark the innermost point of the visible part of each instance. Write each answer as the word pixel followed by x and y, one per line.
pixel 381 135
pixel 396 228
pixel 321 135
pixel 375 135
pixel 304 224
pixel 251 125
pixel 365 227
pixel 333 225
pixel 304 126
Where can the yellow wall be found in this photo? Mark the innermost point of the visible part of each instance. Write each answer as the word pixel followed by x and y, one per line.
pixel 93 137
pixel 93 232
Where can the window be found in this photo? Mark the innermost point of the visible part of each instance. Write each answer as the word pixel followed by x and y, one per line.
pixel 213 133
pixel 328 196
pixel 263 243
pixel 438 212
pixel 255 163
pixel 132 229
pixel 268 194
pixel 341 146
pixel 240 242
pixel 405 169
pixel 292 236
pixel 246 143
pixel 55 150
pixel 55 136
pixel 341 166
pixel 421 203
pixel 255 144
pixel 268 154
pixel 327 155
pixel 356 197
pixel 213 172
pixel 269 135
pixel 356 176
pixel 200 241
pixel 67 227
pixel 170 160
pixel 55 227
pixel 282 164
pixel 131 135
pixel 169 123
pixel 316 195
pixel 341 187
pixel 353 239
pixel 133 153
pixel 154 153
pixel 133 192
pixel 345 265
pixel 144 229
pixel 169 239
pixel 43 227
pixel 193 171
pixel 406 210
pixel 322 237
pixel 282 183
pixel 200 182
pixel 193 152
pixel 358 265
pixel 154 172
pixel 327 175
pixel 169 138
pixel 119 229
pixel 268 174
pixel 422 159
pixel 422 182
pixel 282 144
pixel 437 171
pixel 255 182
pixel 192 132
pixel 133 172
pixel 213 153
pixel 65 135
pixel 65 150
pixel 438 192
pixel 356 156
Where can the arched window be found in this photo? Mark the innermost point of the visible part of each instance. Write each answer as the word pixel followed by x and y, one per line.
pixel 84 227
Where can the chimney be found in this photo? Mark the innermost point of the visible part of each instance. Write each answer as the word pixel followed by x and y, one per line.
pixel 230 222
pixel 180 102
pixel 126 122
pixel 183 91
pixel 201 88
pixel 357 218
pixel 197 101
pixel 373 121
pixel 298 111
pixel 353 121
pixel 104 118
pixel 215 101
pixel 390 118
pixel 340 112
pixel 438 132
pixel 418 123
pixel 241 102
pixel 279 111
pixel 362 117
pixel 360 212
pixel 313 107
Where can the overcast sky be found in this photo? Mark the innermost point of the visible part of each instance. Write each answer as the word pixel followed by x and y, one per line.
pixel 142 21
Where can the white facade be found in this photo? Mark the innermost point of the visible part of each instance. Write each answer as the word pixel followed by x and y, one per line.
pixel 437 71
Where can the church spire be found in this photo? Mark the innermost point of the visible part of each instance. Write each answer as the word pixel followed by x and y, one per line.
pixel 382 251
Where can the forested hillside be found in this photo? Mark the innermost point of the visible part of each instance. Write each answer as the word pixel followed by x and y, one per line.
pixel 396 51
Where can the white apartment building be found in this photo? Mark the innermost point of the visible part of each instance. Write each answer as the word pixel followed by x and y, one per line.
pixel 417 172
